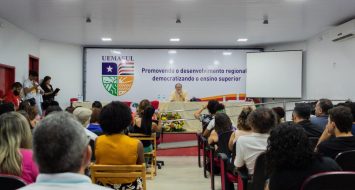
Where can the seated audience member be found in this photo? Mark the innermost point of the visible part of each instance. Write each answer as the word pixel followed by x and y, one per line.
pixel 221 134
pixel 280 113
pixel 218 108
pixel 206 118
pixel 51 109
pixel 15 144
pixel 290 159
pixel 144 126
pixel 94 125
pixel 62 153
pixel 243 128
pixel 30 107
pixel 112 146
pixel 339 125
pixel 96 104
pixel 14 94
pixel 301 115
pixel 6 107
pixel 83 116
pixel 248 147
pixel 321 111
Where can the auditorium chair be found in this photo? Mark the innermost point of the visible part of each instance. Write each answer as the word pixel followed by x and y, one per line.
pixel 152 156
pixel 10 182
pixel 118 171
pixel 346 160
pixel 339 180
pixel 243 179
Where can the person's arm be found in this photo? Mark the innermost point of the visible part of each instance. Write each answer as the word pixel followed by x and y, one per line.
pixel 239 158
pixel 27 88
pixel 197 113
pixel 209 128
pixel 231 142
pixel 327 133
pixel 213 138
pixel 140 152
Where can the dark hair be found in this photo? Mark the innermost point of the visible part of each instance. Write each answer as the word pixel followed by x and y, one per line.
pixel 96 104
pixel 147 120
pixel 220 107
pixel 288 148
pixel 325 105
pixel 302 111
pixel 29 108
pixel 16 85
pixel 143 104
pixel 280 113
pixel 51 109
pixel 6 107
pixel 33 73
pixel 115 117
pixel 211 106
pixel 45 79
pixel 342 118
pixel 178 84
pixel 222 123
pixel 351 105
pixel 25 114
pixel 262 120
pixel 242 119
pixel 95 115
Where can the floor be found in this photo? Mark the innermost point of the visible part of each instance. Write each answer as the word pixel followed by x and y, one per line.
pixel 181 172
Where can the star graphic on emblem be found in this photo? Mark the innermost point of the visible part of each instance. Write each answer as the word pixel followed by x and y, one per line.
pixel 109 69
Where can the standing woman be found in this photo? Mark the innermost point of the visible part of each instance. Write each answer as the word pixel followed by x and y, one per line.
pixel 15 154
pixel 49 93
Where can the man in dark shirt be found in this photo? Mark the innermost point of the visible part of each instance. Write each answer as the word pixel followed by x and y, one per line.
pixel 339 125
pixel 300 116
pixel 321 111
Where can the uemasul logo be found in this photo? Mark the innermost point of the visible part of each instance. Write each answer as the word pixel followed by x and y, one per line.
pixel 117 78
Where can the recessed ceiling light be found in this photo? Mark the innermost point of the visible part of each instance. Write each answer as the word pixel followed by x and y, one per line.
pixel 174 39
pixel 242 40
pixel 171 61
pixel 106 39
pixel 172 51
pixel 216 62
pixel 227 53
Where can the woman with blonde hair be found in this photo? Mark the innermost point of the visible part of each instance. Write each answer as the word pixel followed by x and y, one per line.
pixel 15 153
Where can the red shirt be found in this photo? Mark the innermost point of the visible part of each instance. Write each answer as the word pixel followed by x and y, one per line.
pixel 10 97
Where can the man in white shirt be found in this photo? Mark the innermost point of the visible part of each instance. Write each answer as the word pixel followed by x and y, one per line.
pixel 33 90
pixel 178 95
pixel 62 152
pixel 249 147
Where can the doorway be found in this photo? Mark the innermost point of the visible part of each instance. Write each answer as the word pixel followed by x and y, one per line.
pixel 7 78
pixel 33 64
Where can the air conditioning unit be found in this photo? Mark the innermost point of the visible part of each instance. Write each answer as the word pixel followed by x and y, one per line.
pixel 344 31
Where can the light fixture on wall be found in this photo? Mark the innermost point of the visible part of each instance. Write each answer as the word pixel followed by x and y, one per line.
pixel 88 20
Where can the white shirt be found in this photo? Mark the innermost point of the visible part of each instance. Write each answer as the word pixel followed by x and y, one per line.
pixel 67 181
pixel 211 124
pixel 248 148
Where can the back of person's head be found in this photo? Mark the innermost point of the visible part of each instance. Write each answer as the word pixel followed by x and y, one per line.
pixel 325 105
pixel 30 108
pixel 242 119
pixel 302 111
pixel 211 106
pixel 351 105
pixel 280 113
pixel 59 142
pixel 115 117
pixel 16 85
pixel 222 123
pixel 14 134
pixel 261 120
pixel 342 118
pixel 220 108
pixel 142 105
pixel 52 109
pixel 70 109
pixel 83 115
pixel 96 104
pixel 45 79
pixel 147 119
pixel 288 149
pixel 95 115
pixel 6 107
